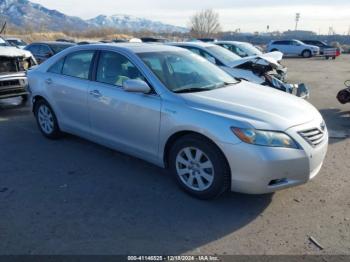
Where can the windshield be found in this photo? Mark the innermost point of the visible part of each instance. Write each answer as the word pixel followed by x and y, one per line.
pixel 183 71
pixel 299 42
pixel 58 48
pixel 16 42
pixel 250 49
pixel 222 54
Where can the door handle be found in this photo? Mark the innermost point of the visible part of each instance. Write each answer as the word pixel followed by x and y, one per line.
pixel 48 81
pixel 96 93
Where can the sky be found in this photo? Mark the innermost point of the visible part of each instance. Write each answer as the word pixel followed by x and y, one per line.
pixel 247 15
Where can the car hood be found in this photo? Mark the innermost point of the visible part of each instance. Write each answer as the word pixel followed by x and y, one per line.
pixel 313 47
pixel 10 51
pixel 264 59
pixel 251 105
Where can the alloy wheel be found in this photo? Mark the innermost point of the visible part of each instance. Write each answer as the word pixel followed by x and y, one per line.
pixel 195 169
pixel 46 119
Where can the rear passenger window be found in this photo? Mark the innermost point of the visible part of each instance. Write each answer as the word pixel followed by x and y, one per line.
pixel 57 67
pixel 114 69
pixel 78 64
pixel 34 49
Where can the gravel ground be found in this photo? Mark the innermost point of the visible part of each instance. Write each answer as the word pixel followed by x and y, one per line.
pixel 75 197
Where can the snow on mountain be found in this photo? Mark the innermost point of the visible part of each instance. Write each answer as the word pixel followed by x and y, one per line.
pixel 25 14
pixel 132 23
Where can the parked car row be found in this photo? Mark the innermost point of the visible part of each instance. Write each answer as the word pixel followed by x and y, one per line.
pixel 304 48
pixel 262 69
pixel 185 107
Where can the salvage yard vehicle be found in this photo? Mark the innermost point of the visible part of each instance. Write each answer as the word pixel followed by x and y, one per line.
pixel 44 50
pixel 242 49
pixel 294 48
pixel 175 109
pixel 262 69
pixel 16 42
pixel 344 95
pixel 325 50
pixel 14 63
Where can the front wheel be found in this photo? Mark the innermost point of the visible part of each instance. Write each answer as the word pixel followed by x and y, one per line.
pixel 46 120
pixel 306 54
pixel 199 167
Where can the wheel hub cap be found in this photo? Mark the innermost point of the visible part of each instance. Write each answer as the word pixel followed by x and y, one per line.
pixel 195 169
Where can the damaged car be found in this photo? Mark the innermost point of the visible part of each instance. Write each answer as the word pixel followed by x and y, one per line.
pixel 262 69
pixel 14 63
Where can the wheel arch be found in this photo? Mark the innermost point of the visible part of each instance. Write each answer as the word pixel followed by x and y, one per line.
pixel 35 99
pixel 178 135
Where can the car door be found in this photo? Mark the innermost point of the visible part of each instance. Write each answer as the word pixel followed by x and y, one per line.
pixel 67 82
pixel 296 48
pixel 126 121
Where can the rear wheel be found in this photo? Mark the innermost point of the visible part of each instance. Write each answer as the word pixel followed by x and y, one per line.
pixel 46 120
pixel 306 54
pixel 199 167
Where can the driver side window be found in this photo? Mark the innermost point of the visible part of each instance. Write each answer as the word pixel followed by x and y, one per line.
pixel 114 69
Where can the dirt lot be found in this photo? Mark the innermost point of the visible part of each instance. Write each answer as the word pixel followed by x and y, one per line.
pixel 75 197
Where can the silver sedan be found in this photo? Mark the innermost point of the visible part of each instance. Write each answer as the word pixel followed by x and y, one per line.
pixel 173 108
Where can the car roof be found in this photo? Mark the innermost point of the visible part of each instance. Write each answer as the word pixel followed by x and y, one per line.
pixel 193 44
pixel 52 43
pixel 12 38
pixel 232 42
pixel 131 47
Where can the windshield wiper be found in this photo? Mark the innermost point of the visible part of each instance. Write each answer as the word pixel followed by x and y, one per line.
pixel 191 90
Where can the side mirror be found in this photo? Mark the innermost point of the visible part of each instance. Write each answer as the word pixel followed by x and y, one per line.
pixel 136 86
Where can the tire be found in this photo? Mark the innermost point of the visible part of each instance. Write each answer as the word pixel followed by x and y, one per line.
pixel 327 57
pixel 343 97
pixel 46 120
pixel 206 177
pixel 306 54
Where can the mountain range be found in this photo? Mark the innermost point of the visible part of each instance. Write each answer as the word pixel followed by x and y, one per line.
pixel 26 14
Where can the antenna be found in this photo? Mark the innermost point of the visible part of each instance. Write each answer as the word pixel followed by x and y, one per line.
pixel 297 19
pixel 3 29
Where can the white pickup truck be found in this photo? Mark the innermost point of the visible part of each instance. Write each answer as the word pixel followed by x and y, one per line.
pixel 14 62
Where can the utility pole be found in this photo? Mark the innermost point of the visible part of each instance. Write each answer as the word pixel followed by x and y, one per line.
pixel 297 19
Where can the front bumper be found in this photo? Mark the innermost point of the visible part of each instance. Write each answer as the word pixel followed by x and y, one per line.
pixel 12 85
pixel 260 170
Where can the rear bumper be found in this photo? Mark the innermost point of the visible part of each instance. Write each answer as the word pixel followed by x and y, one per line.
pixel 12 85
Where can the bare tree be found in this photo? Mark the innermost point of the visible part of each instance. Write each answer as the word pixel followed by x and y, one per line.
pixel 205 23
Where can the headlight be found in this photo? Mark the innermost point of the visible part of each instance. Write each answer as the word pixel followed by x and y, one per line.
pixel 264 138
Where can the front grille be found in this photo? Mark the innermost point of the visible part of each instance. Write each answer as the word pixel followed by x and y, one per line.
pixel 313 136
pixel 10 83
